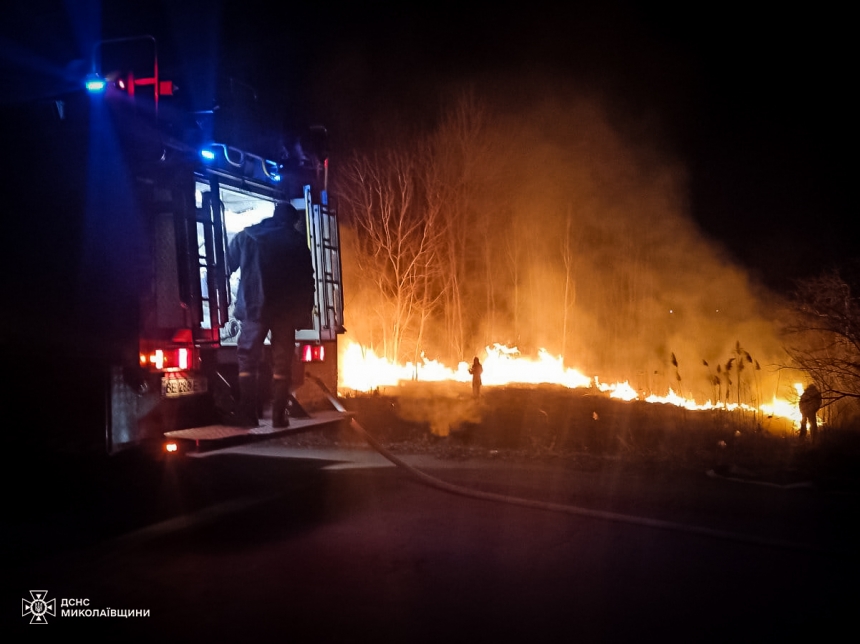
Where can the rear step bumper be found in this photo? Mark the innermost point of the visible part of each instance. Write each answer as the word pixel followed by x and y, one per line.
pixel 216 436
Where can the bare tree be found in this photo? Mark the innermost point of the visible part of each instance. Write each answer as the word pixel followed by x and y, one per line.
pixel 458 148
pixel 823 337
pixel 425 233
pixel 397 243
pixel 515 252
pixel 568 256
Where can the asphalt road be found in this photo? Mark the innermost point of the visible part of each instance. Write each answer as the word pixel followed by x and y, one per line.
pixel 272 544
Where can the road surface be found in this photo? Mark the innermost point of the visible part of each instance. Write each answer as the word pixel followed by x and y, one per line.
pixel 266 543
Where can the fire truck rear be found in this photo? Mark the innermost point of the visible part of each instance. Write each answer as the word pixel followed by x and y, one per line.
pixel 160 192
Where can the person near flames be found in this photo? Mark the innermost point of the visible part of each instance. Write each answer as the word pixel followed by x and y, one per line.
pixel 476 370
pixel 810 403
pixel 276 294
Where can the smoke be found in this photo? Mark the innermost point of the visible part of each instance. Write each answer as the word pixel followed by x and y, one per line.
pixel 580 241
pixel 442 406
pixel 647 283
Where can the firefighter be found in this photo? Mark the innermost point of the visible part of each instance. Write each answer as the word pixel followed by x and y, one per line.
pixel 276 294
pixel 810 403
pixel 476 370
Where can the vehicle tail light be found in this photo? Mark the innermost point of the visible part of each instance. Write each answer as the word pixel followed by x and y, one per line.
pixel 167 359
pixel 312 353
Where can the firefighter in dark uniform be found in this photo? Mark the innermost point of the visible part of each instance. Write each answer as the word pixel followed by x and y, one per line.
pixel 276 294
pixel 810 403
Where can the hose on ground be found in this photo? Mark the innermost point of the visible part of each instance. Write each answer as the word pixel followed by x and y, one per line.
pixel 659 524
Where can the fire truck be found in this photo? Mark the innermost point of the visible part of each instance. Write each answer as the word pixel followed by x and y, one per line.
pixel 158 191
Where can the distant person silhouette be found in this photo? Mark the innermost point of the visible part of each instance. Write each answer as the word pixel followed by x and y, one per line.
pixel 476 370
pixel 810 403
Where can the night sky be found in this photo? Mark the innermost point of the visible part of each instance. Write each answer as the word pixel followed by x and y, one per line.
pixel 753 103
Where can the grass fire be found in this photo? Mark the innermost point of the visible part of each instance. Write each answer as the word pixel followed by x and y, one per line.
pixel 549 244
pixel 554 243
pixel 363 371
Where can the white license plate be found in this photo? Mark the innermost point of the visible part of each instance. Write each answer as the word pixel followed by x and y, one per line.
pixel 174 387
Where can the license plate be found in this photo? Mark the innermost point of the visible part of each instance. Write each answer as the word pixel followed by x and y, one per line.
pixel 176 386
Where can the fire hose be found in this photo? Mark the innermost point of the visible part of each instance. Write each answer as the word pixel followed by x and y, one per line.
pixel 658 524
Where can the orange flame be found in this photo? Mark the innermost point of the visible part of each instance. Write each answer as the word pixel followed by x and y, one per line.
pixel 362 370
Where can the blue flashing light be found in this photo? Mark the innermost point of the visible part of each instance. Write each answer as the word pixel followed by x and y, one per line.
pixel 208 155
pixel 275 177
pixel 95 83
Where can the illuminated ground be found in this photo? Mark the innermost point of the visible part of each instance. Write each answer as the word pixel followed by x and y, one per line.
pixel 586 431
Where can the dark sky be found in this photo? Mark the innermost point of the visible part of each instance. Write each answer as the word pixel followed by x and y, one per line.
pixel 752 102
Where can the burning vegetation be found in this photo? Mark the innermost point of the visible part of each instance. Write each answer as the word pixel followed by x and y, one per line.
pixel 549 231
